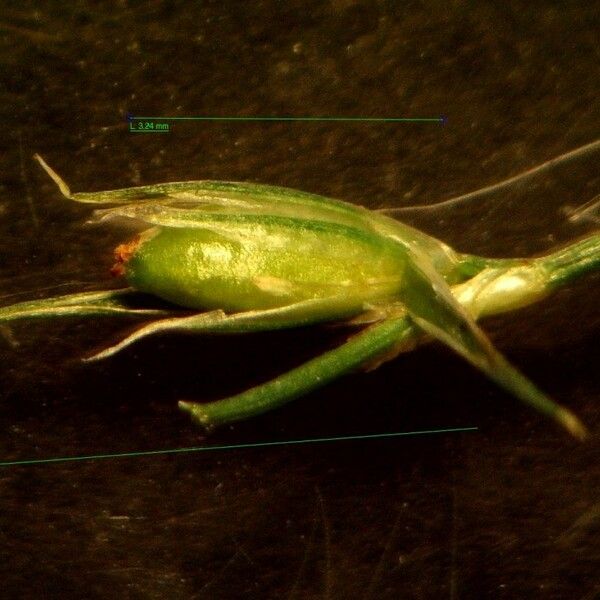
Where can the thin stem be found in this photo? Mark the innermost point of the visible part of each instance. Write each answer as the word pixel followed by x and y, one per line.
pixel 504 184
pixel 573 261
pixel 315 373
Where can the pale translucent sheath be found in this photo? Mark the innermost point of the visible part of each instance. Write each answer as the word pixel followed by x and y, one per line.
pixel 258 257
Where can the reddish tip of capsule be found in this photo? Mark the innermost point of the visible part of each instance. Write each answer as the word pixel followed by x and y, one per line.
pixel 123 252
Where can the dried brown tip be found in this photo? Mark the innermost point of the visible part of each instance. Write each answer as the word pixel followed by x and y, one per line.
pixel 123 252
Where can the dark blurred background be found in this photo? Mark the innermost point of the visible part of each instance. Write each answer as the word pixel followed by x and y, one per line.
pixel 509 511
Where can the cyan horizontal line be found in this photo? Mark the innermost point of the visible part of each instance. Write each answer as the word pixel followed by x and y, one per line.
pixel 372 436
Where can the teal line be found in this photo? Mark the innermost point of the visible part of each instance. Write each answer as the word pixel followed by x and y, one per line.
pixel 346 438
pixel 363 119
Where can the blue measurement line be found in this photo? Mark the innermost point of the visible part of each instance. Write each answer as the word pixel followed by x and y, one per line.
pixel 150 130
pixel 372 436
pixel 131 118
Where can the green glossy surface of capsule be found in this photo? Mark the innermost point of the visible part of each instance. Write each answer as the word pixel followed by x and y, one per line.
pixel 266 263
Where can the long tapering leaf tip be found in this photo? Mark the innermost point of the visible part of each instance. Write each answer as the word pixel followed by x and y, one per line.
pixel 572 424
pixel 187 407
pixel 60 182
pixel 96 357
pixel 197 413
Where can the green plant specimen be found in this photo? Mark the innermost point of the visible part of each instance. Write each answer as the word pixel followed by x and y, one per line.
pixel 241 257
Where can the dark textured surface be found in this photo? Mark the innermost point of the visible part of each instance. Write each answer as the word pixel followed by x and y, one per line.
pixel 511 511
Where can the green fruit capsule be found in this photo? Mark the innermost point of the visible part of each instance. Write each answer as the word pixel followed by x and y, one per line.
pixel 264 263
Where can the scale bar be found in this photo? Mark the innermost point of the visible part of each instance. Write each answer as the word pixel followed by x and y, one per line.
pixel 442 120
